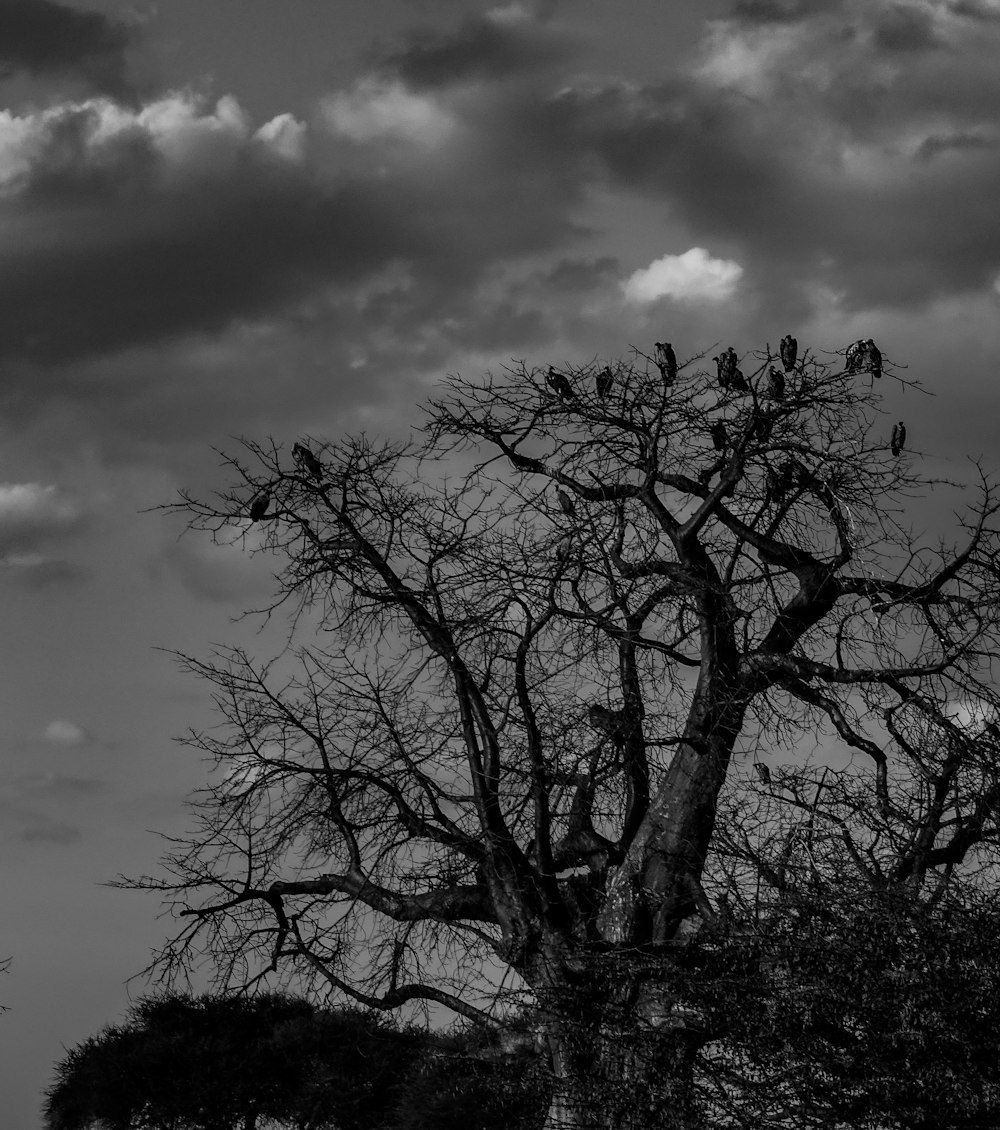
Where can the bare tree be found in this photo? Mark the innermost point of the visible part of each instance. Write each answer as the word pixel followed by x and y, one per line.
pixel 503 732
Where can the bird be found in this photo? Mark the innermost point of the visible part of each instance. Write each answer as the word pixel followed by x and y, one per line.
pixel 873 357
pixel 305 458
pixel 898 441
pixel 601 718
pixel 258 508
pixel 762 772
pixel 605 379
pixel 773 482
pixel 567 504
pixel 779 482
pixel 563 549
pixel 719 437
pixel 722 370
pixel 559 384
pixel 738 380
pixel 855 356
pixel 789 351
pixel 803 476
pixel 762 426
pixel 775 384
pixel 666 361
pixel 610 722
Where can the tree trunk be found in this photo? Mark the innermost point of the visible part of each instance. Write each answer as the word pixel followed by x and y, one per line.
pixel 621 1065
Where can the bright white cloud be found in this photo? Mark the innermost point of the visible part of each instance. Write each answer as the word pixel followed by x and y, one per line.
pixel 748 59
pixel 693 276
pixel 376 110
pixel 61 732
pixel 187 137
pixel 32 514
pixel 187 134
pixel 283 136
pixel 38 502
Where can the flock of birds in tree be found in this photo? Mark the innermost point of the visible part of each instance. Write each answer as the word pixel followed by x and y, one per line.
pixel 861 355
pixel 864 354
pixel 305 460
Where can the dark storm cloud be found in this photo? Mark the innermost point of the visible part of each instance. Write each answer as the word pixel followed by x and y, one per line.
pixel 40 36
pixel 51 832
pixel 481 48
pixel 118 247
pixel 903 29
pixel 47 574
pixel 936 144
pixel 179 220
pixel 975 10
pixel 779 11
pixel 580 276
pixel 798 162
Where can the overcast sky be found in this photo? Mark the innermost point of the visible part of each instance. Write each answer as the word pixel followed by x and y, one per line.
pixel 277 217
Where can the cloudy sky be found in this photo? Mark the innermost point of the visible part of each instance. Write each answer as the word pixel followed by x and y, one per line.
pixel 277 217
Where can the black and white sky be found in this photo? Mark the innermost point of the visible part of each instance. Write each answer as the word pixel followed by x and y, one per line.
pixel 284 217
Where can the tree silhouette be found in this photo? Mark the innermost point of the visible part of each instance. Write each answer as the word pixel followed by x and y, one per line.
pixel 210 1063
pixel 505 746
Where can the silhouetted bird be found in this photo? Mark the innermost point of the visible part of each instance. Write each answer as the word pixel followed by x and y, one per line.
pixel 567 504
pixel 855 356
pixel 762 427
pixel 258 508
pixel 559 384
pixel 780 482
pixel 772 480
pixel 789 352
pixel 605 379
pixel 762 772
pixel 802 476
pixel 898 441
pixel 722 372
pixel 563 549
pixel 610 722
pixel 739 381
pixel 873 358
pixel 305 458
pixel 719 436
pixel 775 384
pixel 666 361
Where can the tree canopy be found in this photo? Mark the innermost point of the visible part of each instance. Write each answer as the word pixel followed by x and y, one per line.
pixel 531 656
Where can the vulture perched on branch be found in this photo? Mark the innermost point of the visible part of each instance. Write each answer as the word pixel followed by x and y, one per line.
pixel 305 458
pixel 781 481
pixel 614 723
pixel 789 352
pixel 855 356
pixel 898 441
pixel 666 361
pixel 258 508
pixel 605 379
pixel 567 503
pixel 775 384
pixel 559 384
pixel 873 358
pixel 762 426
pixel 762 772
pixel 719 437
